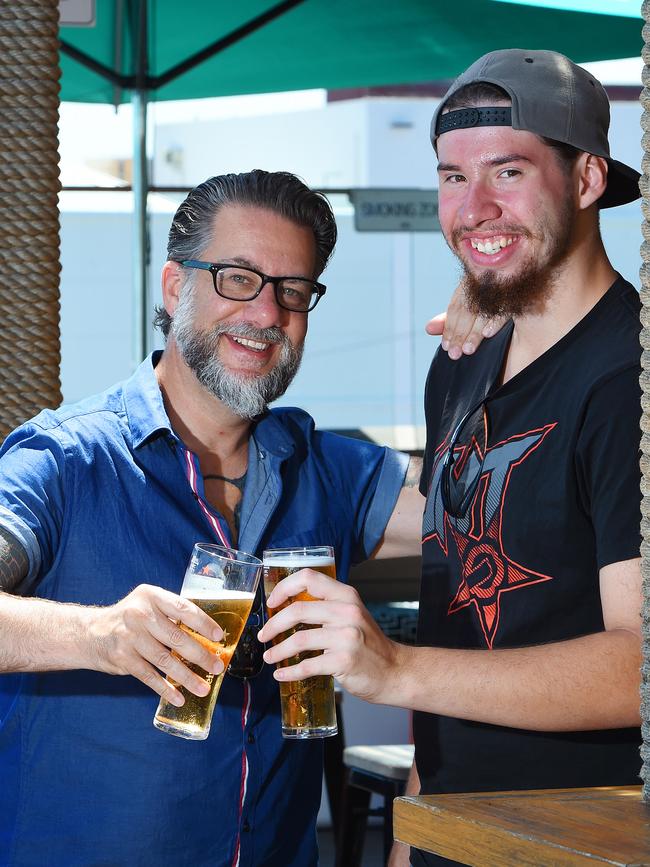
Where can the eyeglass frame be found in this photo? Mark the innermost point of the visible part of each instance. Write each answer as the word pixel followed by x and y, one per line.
pixel 449 460
pixel 215 267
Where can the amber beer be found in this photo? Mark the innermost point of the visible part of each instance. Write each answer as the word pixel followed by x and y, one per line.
pixel 308 707
pixel 230 608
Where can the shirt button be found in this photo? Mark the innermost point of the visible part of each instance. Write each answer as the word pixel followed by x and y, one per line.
pixel 262 456
pixel 246 827
pixel 251 738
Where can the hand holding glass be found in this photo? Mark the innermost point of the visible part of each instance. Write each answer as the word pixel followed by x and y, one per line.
pixel 222 582
pixel 308 706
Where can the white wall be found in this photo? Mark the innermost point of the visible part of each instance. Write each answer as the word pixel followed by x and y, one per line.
pixel 356 143
pixel 325 147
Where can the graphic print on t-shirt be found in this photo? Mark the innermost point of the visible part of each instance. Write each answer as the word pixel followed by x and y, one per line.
pixel 486 569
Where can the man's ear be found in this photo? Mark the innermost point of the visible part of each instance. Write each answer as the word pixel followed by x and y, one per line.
pixel 172 282
pixel 592 177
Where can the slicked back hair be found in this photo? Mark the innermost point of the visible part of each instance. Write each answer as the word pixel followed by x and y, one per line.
pixel 279 192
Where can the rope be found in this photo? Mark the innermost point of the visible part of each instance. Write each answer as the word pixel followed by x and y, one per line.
pixel 645 405
pixel 29 184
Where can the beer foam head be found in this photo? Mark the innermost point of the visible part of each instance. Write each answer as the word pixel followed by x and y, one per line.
pixel 298 561
pixel 204 587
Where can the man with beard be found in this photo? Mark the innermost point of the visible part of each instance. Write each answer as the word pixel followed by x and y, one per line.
pixel 531 588
pixel 98 497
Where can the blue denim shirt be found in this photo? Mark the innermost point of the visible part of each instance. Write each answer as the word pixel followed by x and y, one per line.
pixel 98 496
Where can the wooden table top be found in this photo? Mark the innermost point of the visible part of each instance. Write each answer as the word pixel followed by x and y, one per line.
pixel 558 827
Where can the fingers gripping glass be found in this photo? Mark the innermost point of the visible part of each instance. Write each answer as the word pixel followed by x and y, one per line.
pixel 244 284
pixel 463 462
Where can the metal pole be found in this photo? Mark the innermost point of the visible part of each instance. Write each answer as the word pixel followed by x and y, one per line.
pixel 141 306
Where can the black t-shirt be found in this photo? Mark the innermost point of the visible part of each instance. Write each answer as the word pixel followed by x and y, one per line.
pixel 558 498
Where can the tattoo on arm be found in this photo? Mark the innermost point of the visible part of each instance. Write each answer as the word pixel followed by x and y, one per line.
pixel 13 561
pixel 413 473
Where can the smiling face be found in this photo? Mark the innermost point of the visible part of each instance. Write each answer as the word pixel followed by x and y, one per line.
pixel 507 210
pixel 244 352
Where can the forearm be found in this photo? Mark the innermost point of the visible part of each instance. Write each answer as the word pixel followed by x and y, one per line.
pixel 591 682
pixel 40 635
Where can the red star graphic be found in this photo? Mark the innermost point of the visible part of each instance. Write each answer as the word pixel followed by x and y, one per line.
pixel 487 572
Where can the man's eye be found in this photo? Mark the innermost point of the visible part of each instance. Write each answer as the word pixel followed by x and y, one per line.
pixel 238 278
pixel 510 173
pixel 294 290
pixel 454 179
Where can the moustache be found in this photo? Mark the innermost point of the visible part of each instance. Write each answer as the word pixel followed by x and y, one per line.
pixel 273 334
pixel 463 231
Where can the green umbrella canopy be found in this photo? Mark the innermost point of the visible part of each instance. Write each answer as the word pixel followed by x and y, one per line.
pixel 267 46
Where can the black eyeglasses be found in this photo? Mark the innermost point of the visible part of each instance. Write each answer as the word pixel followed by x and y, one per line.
pixel 247 659
pixel 243 284
pixel 459 479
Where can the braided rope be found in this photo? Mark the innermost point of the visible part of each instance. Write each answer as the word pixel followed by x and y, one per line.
pixel 29 184
pixel 645 404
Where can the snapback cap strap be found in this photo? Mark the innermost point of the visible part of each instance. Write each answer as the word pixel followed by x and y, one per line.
pixel 465 118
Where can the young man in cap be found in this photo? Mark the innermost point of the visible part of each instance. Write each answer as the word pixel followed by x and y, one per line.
pixel 531 588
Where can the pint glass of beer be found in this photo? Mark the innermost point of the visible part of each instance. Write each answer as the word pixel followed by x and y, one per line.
pixel 308 708
pixel 222 582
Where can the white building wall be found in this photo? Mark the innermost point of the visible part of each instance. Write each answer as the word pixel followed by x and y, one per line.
pixel 325 147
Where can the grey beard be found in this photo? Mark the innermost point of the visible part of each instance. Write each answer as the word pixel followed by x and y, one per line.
pixel 246 396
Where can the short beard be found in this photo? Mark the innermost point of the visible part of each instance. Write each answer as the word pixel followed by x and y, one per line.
pixel 490 294
pixel 247 396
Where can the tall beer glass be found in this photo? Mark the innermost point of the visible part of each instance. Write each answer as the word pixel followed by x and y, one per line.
pixel 308 707
pixel 222 582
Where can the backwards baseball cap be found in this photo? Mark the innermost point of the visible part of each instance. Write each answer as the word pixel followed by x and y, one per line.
pixel 552 97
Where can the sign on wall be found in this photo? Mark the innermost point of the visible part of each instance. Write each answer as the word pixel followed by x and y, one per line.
pixel 394 210
pixel 77 13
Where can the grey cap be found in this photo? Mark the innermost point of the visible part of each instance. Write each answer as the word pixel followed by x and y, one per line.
pixel 552 97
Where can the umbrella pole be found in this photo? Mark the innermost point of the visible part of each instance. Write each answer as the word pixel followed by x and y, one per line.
pixel 140 38
pixel 141 305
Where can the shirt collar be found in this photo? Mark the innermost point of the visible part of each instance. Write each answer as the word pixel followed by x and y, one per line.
pixel 147 416
pixel 272 436
pixel 144 403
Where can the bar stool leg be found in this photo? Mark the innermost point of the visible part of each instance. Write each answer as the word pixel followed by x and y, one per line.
pixel 334 768
pixel 388 823
pixel 352 827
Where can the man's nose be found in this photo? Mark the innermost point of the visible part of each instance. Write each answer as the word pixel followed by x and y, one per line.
pixel 265 310
pixel 479 205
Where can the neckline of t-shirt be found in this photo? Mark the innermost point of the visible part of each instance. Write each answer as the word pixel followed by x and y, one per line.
pixel 614 291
